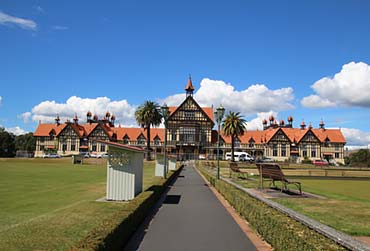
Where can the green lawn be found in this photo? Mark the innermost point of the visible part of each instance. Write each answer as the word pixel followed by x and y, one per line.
pixel 48 204
pixel 346 206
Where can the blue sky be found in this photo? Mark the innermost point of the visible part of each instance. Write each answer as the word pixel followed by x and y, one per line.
pixel 308 59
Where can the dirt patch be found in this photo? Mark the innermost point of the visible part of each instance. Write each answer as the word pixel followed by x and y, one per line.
pixel 364 239
pixel 275 193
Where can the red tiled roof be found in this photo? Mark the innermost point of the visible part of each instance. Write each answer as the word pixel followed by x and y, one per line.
pixel 45 129
pixel 294 134
pixel 134 133
pixel 89 127
pixel 79 129
pixel 259 137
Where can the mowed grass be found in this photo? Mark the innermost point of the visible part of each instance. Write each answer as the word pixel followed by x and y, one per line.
pixel 48 204
pixel 345 205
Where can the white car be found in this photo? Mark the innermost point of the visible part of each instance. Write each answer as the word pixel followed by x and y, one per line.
pixel 51 155
pixel 240 156
pixel 93 155
pixel 104 156
pixel 202 157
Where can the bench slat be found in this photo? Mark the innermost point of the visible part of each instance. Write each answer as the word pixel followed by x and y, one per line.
pixel 274 173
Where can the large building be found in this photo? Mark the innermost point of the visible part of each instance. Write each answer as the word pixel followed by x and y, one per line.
pixel 190 134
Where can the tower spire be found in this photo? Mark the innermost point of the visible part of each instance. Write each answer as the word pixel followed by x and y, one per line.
pixel 189 88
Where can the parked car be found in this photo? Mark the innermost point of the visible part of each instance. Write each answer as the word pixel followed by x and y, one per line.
pixel 51 155
pixel 104 156
pixel 265 159
pixel 91 155
pixel 239 156
pixel 320 162
pixel 202 157
pixel 245 157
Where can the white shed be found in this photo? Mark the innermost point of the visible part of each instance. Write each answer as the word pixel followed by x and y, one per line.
pixel 124 171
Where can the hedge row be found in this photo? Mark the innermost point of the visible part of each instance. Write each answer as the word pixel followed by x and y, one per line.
pixel 281 231
pixel 114 232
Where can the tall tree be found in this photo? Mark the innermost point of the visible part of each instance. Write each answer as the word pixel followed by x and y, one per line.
pixel 147 115
pixel 233 126
pixel 7 145
pixel 25 142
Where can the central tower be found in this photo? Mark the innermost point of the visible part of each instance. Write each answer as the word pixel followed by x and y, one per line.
pixel 189 88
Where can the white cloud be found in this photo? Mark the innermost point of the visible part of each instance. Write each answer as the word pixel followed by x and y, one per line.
pixel 256 123
pixel 25 116
pixel 349 87
pixel 315 101
pixel 16 130
pixel 1 99
pixel 356 137
pixel 21 22
pixel 46 111
pixel 256 98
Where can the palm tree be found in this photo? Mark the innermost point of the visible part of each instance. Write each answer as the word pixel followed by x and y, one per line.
pixel 233 126
pixel 148 114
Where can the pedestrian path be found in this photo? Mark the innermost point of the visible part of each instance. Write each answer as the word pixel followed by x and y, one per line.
pixel 190 218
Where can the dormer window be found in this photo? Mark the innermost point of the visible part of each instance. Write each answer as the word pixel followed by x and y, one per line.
pixel 251 143
pixel 141 140
pixel 237 143
pixel 157 141
pixel 327 142
pixel 51 135
pixel 126 140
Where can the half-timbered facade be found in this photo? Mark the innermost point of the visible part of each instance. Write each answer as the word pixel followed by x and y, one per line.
pixel 189 127
pixel 190 134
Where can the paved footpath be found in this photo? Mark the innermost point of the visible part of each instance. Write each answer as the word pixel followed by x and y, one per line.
pixel 190 218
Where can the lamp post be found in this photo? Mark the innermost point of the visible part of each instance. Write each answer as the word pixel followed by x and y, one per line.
pixel 219 114
pixel 165 114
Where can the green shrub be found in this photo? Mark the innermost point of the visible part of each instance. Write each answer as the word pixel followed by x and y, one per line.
pixel 114 232
pixel 306 160
pixel 281 231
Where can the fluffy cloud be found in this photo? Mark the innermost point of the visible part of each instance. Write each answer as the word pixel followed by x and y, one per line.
pixel 256 123
pixel 349 87
pixel 21 22
pixel 315 101
pixel 46 111
pixel 356 137
pixel 255 99
pixel 16 130
pixel 25 116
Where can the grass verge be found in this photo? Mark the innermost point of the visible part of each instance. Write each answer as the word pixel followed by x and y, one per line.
pixel 345 206
pixel 282 232
pixel 49 204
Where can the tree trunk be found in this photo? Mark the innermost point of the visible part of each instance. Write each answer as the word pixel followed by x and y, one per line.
pixel 148 143
pixel 232 148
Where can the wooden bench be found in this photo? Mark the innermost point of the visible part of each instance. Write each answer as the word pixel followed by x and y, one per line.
pixel 273 172
pixel 234 168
